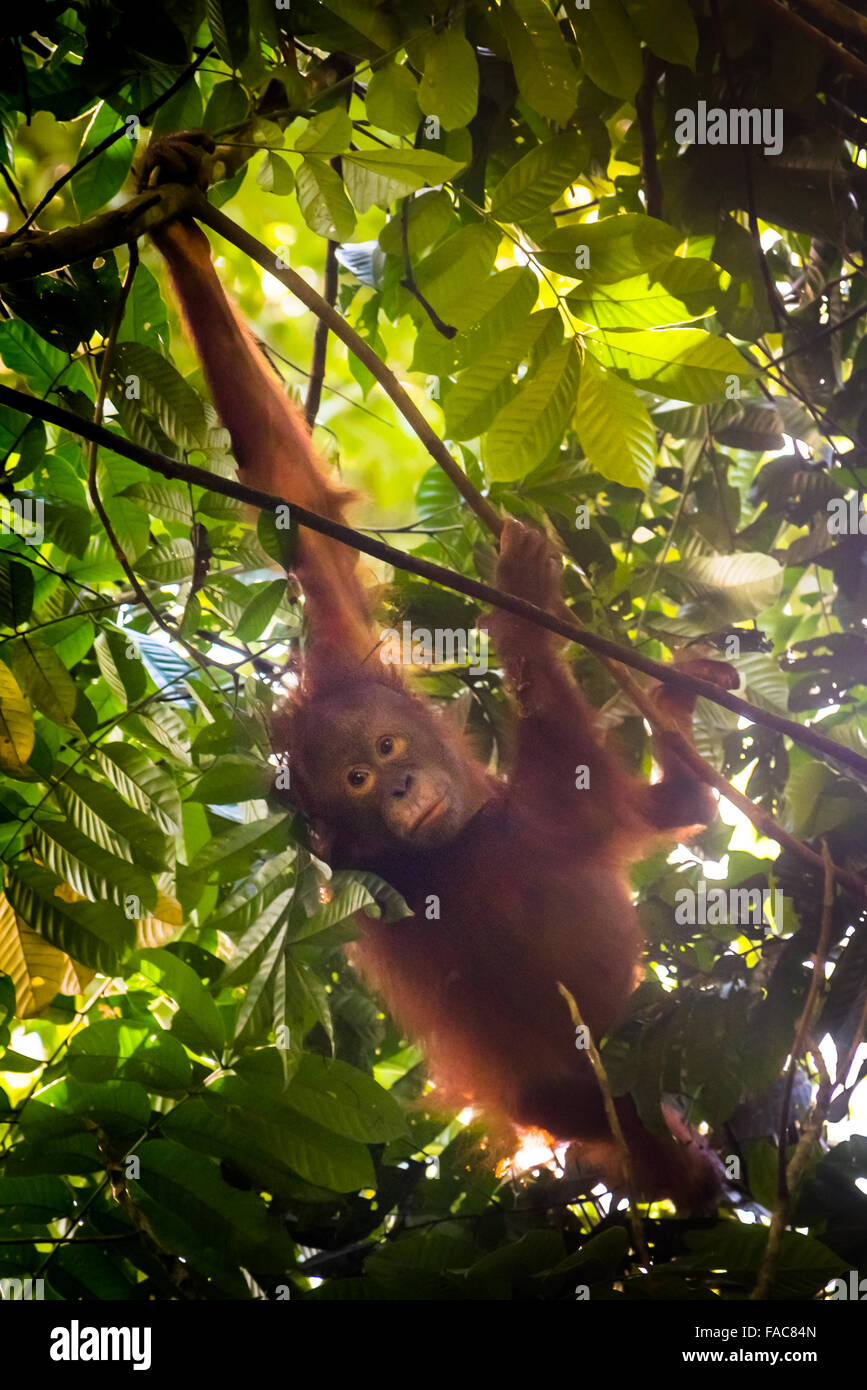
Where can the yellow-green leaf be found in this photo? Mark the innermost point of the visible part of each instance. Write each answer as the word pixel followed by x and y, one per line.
pixel 615 429
pixel 450 82
pixel 530 425
pixel 544 70
pixel 43 676
pixel 17 733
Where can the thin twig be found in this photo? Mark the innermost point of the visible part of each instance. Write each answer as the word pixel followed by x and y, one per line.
pixel 614 1124
pixel 13 189
pixel 804 1024
pixel 408 282
pixel 788 1177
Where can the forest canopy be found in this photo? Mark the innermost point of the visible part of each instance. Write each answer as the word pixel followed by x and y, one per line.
pixel 598 267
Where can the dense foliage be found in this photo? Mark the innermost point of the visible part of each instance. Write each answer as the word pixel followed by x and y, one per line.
pixel 197 1098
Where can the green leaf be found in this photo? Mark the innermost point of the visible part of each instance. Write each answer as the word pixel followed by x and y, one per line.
pixel 327 134
pixel 538 180
pixel 431 216
pixel 390 904
pixel 232 780
pixel 527 428
pixel 609 48
pixel 164 728
pixel 484 388
pixel 343 1099
pixel 124 675
pixel 35 1199
pixel 104 817
pixel 683 290
pixel 685 364
pixel 130 525
pixel 275 175
pixel 322 199
pixel 733 586
pixel 449 85
pixel 121 1108
pixel 92 870
pixel 16 591
pixel 229 22
pixel 615 429
pixel 611 249
pixel 381 176
pixel 95 934
pixel 213 1227
pixel 42 676
pixel 499 304
pixel 372 21
pixel 164 392
pixel 168 563
pixel 145 320
pixel 17 733
pixel 238 912
pixel 168 501
pixel 140 1052
pixel 544 70
pixel 392 99
pixel 227 106
pixel 38 362
pixel 147 787
pixel 239 837
pixel 71 640
pixel 181 983
pixel 260 610
pixel 221 508
pixel 453 274
pixel 94 185
pixel 668 27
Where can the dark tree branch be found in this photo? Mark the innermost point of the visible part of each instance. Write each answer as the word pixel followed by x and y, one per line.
pixel 39 252
pixel 408 281
pixel 840 15
pixel 778 309
pixel 320 340
pixel 845 61
pixel 644 112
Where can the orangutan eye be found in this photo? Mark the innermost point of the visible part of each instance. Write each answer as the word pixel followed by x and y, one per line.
pixel 390 746
pixel 358 779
